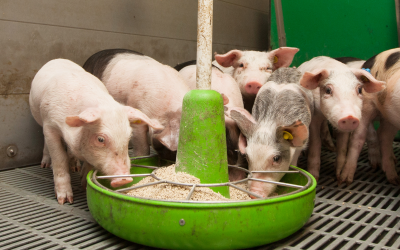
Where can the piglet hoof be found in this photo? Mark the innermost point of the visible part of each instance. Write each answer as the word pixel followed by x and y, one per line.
pixel 75 169
pixel 74 164
pixel 70 200
pixel 64 195
pixel 374 164
pixel 339 180
pixel 395 180
pixel 61 200
pixel 45 164
pixel 345 179
pixel 315 174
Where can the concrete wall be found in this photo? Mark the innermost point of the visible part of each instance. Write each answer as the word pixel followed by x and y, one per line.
pixel 36 31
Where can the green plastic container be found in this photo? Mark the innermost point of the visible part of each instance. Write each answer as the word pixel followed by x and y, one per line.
pixel 189 225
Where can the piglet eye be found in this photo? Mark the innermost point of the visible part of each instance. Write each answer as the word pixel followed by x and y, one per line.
pixel 328 91
pixel 277 158
pixel 359 90
pixel 100 139
pixel 241 65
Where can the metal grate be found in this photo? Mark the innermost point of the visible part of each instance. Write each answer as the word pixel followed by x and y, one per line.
pixel 364 215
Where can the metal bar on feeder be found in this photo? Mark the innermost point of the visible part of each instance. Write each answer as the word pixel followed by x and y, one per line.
pixel 204 44
pixel 121 176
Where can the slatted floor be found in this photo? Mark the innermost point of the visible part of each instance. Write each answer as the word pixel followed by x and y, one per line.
pixel 364 215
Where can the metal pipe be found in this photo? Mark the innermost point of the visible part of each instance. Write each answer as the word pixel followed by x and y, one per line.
pixel 279 23
pixel 191 192
pixel 278 171
pixel 397 7
pixel 277 183
pixel 121 176
pixel 204 44
pixel 141 186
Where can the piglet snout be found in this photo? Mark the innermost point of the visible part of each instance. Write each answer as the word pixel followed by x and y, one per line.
pixel 348 123
pixel 253 87
pixel 117 182
pixel 259 192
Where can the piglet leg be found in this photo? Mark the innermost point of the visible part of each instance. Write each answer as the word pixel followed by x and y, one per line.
pixel 342 140
pixel 387 132
pixel 73 162
pixel 357 140
pixel 326 137
pixel 86 167
pixel 237 174
pixel 46 160
pixel 374 153
pixel 314 149
pixel 139 140
pixel 59 156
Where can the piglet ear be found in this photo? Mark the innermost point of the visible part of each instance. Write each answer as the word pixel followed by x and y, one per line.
pixel 135 116
pixel 242 143
pixel 243 119
pixel 225 98
pixel 282 57
pixel 296 134
pixel 370 84
pixel 89 115
pixel 169 136
pixel 168 140
pixel 311 80
pixel 229 58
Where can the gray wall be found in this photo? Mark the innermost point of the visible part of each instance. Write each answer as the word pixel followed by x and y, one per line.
pixel 36 31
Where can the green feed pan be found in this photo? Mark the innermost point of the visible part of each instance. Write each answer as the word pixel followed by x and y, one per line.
pixel 201 225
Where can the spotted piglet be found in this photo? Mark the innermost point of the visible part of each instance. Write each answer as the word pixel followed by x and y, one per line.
pixel 386 103
pixel 251 69
pixel 277 130
pixel 77 113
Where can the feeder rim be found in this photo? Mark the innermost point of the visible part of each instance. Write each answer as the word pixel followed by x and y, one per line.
pixel 309 187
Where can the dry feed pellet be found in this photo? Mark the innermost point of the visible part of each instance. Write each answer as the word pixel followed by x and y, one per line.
pixel 167 191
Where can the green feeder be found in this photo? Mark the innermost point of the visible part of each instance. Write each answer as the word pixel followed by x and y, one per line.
pixel 187 224
pixel 202 141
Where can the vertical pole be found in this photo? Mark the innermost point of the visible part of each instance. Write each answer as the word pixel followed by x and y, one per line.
pixel 279 23
pixel 204 44
pixel 202 138
pixel 397 4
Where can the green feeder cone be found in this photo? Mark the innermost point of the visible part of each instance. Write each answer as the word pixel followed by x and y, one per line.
pixel 202 141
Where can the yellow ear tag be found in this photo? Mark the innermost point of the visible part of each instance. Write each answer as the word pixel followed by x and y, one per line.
pixel 275 59
pixel 137 122
pixel 287 135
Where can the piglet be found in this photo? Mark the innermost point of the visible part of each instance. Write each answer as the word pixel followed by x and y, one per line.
pixel 141 82
pixel 77 113
pixel 351 62
pixel 229 89
pixel 251 69
pixel 338 97
pixel 384 66
pixel 273 136
pixel 372 141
